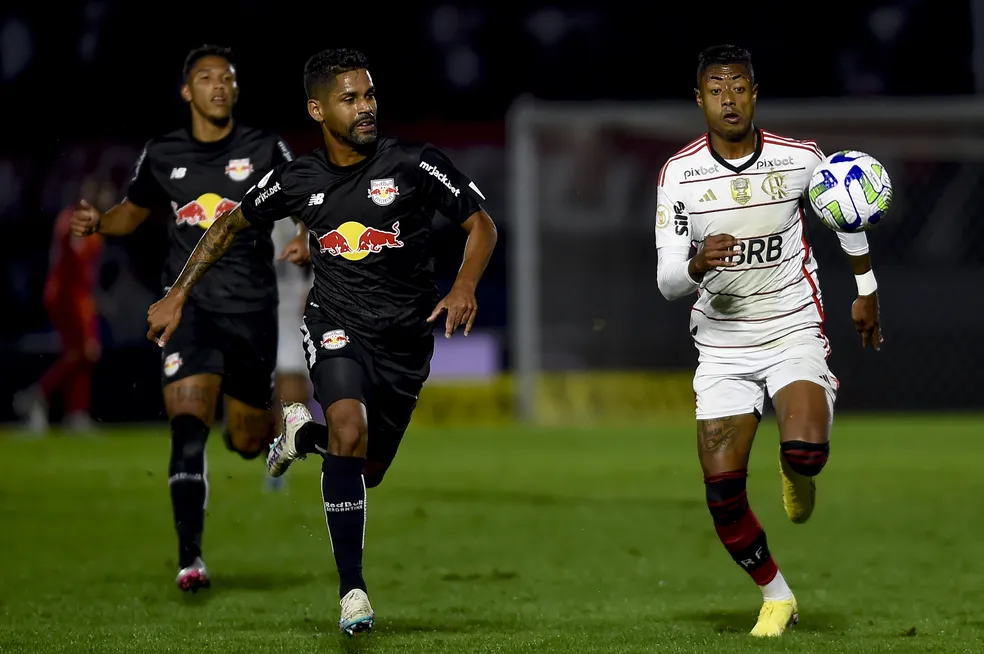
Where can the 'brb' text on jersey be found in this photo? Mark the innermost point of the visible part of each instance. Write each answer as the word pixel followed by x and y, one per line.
pixel 373 265
pixel 197 182
pixel 773 290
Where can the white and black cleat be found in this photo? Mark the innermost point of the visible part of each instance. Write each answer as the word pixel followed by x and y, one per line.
pixel 194 577
pixel 283 452
pixel 357 616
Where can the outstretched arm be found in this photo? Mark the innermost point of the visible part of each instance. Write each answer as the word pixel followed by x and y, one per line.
pixel 460 303
pixel 165 316
pixel 864 310
pixel 212 246
pixel 482 236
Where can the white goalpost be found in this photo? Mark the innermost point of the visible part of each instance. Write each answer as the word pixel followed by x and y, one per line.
pixel 582 191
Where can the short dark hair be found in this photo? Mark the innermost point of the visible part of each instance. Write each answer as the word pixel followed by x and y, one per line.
pixel 321 69
pixel 203 51
pixel 721 55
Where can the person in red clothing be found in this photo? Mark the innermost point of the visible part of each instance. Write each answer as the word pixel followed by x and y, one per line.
pixel 68 297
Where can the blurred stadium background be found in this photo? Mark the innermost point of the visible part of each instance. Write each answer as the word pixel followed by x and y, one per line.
pixel 564 120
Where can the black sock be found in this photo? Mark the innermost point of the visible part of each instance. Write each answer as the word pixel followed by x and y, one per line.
pixel 311 438
pixel 344 493
pixel 189 487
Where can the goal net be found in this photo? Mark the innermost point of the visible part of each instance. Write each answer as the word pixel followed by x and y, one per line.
pixel 592 338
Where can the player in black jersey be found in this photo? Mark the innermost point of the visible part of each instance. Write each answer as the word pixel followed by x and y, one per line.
pixel 228 340
pixel 370 202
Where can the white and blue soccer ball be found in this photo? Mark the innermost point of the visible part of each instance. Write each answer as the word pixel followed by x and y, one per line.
pixel 850 191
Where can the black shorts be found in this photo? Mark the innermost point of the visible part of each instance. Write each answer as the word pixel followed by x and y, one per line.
pixel 241 347
pixel 386 378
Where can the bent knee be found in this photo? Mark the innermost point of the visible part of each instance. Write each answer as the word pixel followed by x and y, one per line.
pixel 805 458
pixel 727 499
pixel 245 444
pixel 348 428
pixel 373 473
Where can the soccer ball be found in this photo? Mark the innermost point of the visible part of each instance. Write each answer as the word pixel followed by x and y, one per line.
pixel 850 191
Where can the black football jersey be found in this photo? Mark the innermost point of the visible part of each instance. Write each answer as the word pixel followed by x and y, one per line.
pixel 373 265
pixel 197 182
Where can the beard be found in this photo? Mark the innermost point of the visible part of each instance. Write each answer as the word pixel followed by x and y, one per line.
pixel 358 141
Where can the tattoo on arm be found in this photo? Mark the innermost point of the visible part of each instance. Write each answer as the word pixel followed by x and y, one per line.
pixel 718 434
pixel 215 243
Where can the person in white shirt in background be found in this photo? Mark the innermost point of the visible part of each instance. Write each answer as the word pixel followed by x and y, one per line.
pixel 294 279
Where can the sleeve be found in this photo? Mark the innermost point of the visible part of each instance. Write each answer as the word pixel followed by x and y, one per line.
pixel 673 228
pixel 673 241
pixel 144 189
pixel 672 272
pixel 446 188
pixel 852 243
pixel 281 151
pixel 277 195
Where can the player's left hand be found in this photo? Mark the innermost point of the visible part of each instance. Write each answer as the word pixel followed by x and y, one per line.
pixel 864 313
pixel 462 307
pixel 297 250
pixel 164 316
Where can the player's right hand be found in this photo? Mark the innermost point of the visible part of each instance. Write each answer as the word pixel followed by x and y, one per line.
pixel 163 318
pixel 85 219
pixel 716 251
pixel 297 250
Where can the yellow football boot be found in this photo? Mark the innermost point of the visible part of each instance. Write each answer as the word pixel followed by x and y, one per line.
pixel 799 493
pixel 774 617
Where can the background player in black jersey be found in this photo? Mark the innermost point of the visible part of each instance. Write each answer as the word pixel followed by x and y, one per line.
pixel 228 341
pixel 370 202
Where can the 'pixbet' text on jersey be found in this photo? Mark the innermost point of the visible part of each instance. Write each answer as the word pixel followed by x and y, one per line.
pixel 773 290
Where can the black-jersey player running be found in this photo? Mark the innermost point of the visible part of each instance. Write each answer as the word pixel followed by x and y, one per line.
pixel 228 340
pixel 370 202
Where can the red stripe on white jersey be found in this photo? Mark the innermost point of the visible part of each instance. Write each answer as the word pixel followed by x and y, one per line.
pixel 783 141
pixel 813 285
pixel 796 146
pixel 688 150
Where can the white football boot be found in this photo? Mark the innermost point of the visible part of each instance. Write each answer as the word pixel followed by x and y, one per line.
pixel 283 452
pixel 357 615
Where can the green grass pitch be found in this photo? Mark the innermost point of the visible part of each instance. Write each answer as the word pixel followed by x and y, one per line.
pixel 505 540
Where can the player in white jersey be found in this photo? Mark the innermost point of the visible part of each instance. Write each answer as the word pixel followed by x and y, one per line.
pixel 294 279
pixel 730 221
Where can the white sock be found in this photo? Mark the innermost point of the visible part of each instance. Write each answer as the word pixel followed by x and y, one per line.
pixel 776 590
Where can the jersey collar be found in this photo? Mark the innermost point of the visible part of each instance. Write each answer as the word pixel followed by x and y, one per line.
pixel 745 166
pixel 342 170
pixel 215 145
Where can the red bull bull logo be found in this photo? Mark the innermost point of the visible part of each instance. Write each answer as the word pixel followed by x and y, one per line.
pixel 239 170
pixel 383 191
pixel 204 210
pixel 354 241
pixel 336 339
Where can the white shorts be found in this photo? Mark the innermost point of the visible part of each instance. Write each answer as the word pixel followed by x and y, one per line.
pixel 735 381
pixel 290 346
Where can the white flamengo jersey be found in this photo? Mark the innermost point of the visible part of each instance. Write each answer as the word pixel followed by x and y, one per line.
pixel 761 200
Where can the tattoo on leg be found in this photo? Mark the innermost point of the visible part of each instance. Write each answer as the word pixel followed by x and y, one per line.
pixel 190 394
pixel 718 434
pixel 253 425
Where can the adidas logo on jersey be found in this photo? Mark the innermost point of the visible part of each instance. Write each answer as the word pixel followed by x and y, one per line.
pixel 708 197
